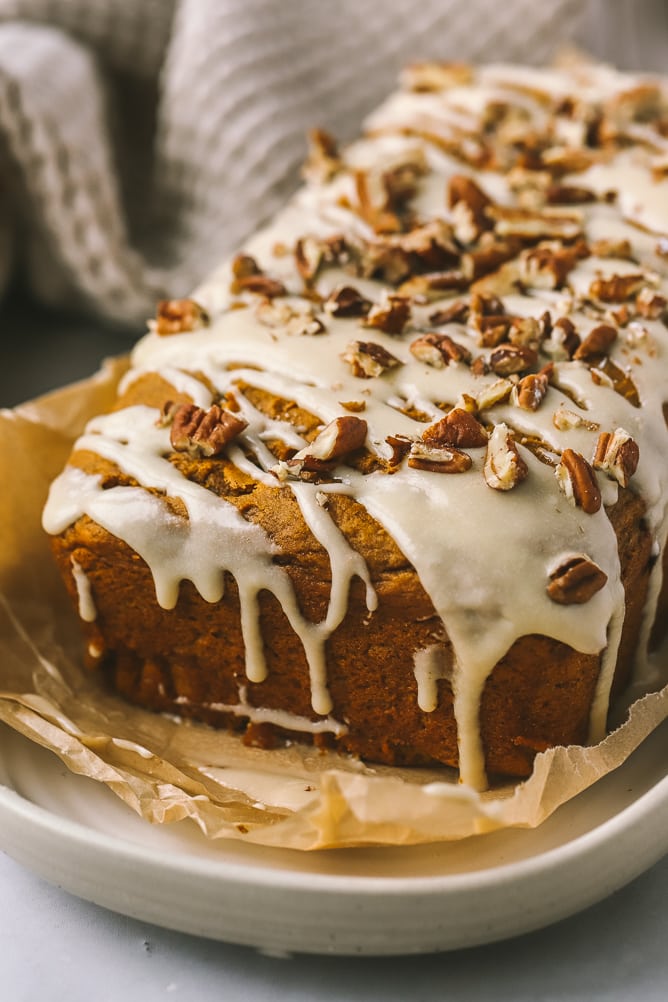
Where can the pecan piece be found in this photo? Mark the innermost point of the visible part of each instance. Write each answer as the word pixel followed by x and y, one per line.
pixel 400 446
pixel 578 482
pixel 368 359
pixel 179 316
pixel 576 581
pixel 337 440
pixel 617 288
pixel 247 276
pixel 458 428
pixel 203 433
pixel 323 160
pixel 469 205
pixel 438 350
pixel 563 340
pixel 504 467
pixel 433 76
pixel 530 392
pixel 650 304
pixel 346 301
pixel 390 316
pixel 564 420
pixel 512 358
pixel 617 455
pixel 438 460
pixel 457 312
pixel 597 343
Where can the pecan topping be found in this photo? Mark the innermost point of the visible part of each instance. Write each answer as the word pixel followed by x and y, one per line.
pixel 548 266
pixel 608 247
pixel 346 301
pixel 527 224
pixel 248 277
pixel 390 316
pixel 323 160
pixel 617 288
pixel 563 340
pixel 432 76
pixel 368 359
pixel 530 392
pixel 178 316
pixel 400 446
pixel 512 358
pixel 309 255
pixel 283 316
pixel 504 467
pixel 577 480
pixel 564 420
pixel 497 393
pixel 597 343
pixel 438 460
pixel 457 312
pixel 576 581
pixel 469 205
pixel 488 257
pixel 438 350
pixel 526 331
pixel 650 304
pixel 458 428
pixel 616 455
pixel 203 433
pixel 337 440
pixel 569 194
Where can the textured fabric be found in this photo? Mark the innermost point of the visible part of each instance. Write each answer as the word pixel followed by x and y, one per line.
pixel 141 140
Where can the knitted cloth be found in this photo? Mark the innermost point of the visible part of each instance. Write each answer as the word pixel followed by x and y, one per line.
pixel 141 140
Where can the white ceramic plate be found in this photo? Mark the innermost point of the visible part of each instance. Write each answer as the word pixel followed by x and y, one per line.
pixel 77 834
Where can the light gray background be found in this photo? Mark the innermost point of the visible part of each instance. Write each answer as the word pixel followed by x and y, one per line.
pixel 55 948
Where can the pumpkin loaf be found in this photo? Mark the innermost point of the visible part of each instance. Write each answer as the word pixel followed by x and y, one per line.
pixel 393 480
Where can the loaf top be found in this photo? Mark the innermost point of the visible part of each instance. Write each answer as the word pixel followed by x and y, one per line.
pixel 470 300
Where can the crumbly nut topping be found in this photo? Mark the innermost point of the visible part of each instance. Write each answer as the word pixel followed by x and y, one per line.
pixel 438 459
pixel 458 428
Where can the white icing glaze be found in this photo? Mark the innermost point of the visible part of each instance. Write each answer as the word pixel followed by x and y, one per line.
pixel 87 610
pixel 483 557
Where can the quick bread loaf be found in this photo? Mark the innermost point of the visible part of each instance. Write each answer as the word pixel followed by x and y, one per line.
pixel 394 479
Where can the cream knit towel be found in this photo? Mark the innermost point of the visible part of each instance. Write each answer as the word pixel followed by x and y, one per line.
pixel 141 140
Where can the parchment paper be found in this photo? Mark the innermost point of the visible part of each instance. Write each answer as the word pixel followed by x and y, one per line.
pixel 167 770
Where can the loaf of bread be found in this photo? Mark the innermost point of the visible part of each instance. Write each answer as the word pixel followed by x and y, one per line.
pixel 394 479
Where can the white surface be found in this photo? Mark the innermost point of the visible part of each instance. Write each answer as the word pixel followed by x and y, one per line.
pixel 77 834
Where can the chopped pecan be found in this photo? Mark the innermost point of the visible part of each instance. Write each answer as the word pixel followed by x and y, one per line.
pixel 337 440
pixel 497 393
pixel 458 428
pixel 569 194
pixel 433 284
pixel 368 359
pixel 400 446
pixel 577 480
pixel 438 460
pixel 432 76
pixel 390 316
pixel 309 255
pixel 323 160
pixel 456 313
pixel 650 304
pixel 548 266
pixel 247 276
pixel 346 301
pixel 597 343
pixel 356 406
pixel 609 247
pixel 617 455
pixel 504 467
pixel 530 225
pixel 469 205
pixel 565 419
pixel 530 392
pixel 576 581
pixel 563 340
pixel 617 288
pixel 438 350
pixel 526 331
pixel 493 330
pixel 179 316
pixel 488 257
pixel 512 358
pixel 288 318
pixel 203 433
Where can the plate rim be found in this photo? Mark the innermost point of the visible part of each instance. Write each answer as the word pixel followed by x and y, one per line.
pixel 242 871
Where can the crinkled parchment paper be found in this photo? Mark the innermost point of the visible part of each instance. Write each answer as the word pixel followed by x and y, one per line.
pixel 165 770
